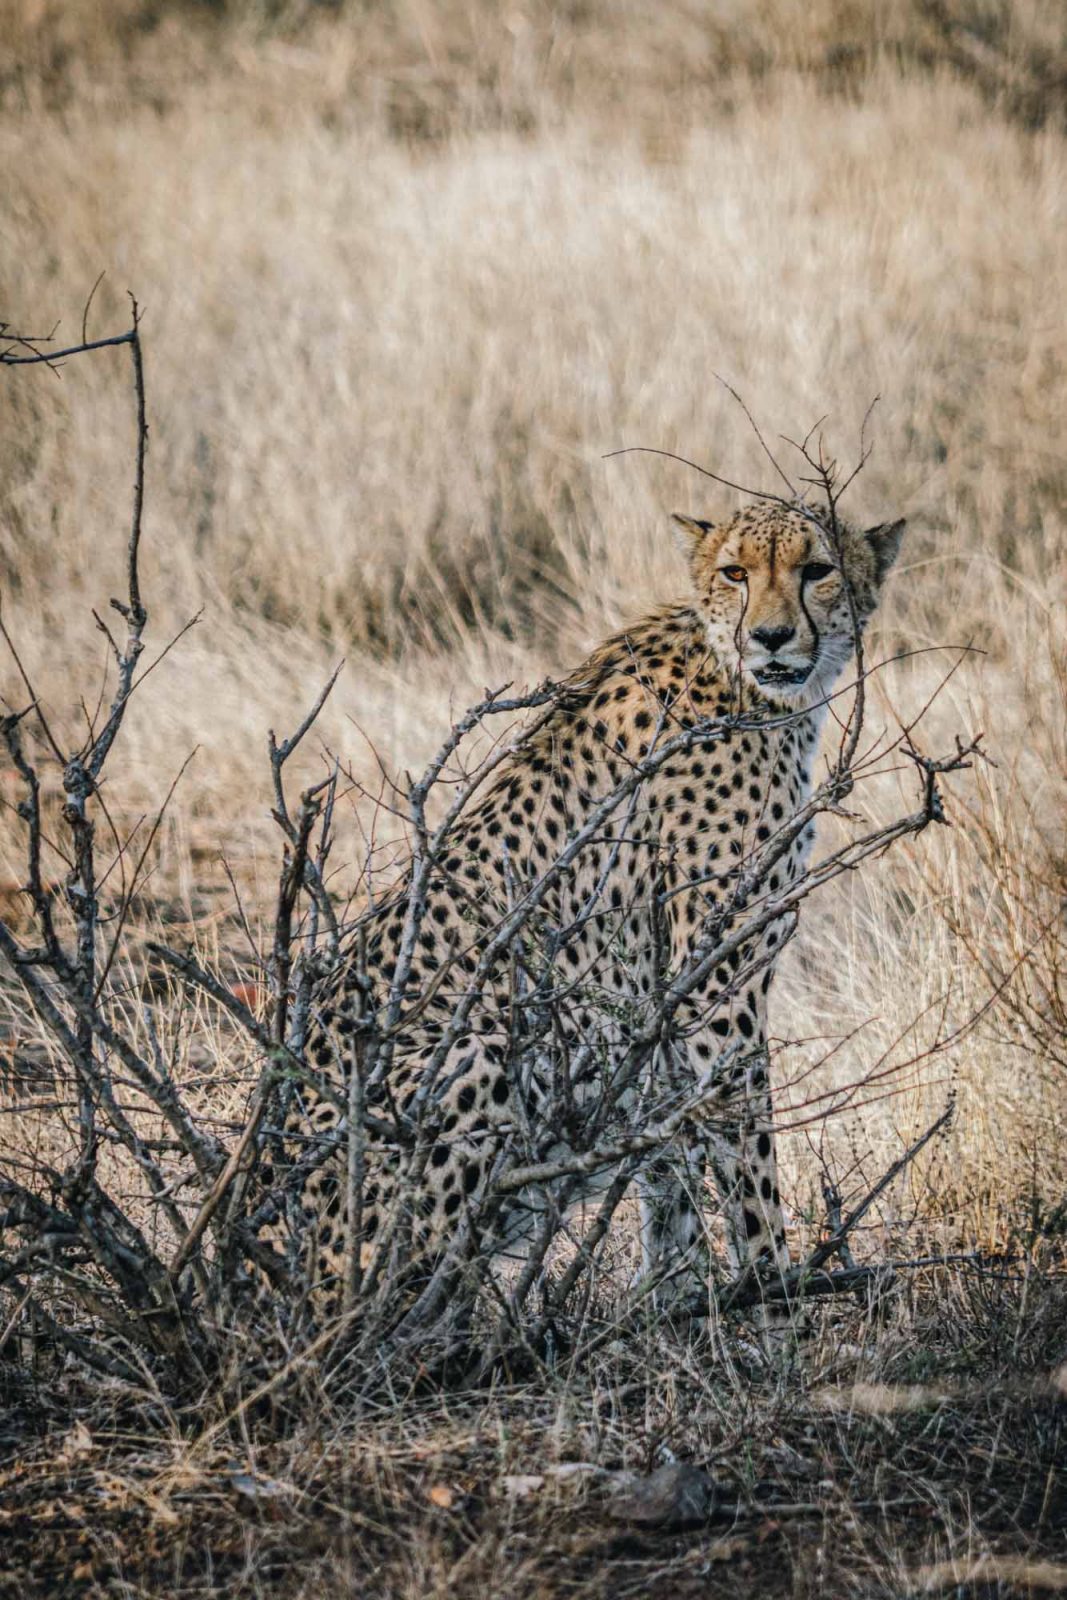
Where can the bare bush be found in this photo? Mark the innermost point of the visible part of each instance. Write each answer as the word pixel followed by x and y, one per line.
pixel 155 1238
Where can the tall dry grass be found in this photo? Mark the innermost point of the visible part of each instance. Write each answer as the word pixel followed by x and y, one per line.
pixel 409 272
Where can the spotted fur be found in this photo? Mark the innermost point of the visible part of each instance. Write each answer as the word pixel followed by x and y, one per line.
pixel 760 638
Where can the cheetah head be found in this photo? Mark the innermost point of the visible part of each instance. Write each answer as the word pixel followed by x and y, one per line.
pixel 770 585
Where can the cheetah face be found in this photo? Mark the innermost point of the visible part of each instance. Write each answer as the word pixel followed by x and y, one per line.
pixel 769 582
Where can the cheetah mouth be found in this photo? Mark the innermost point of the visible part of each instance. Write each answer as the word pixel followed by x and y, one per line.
pixel 776 675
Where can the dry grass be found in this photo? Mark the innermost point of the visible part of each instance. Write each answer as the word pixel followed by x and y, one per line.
pixel 409 272
pixel 884 1461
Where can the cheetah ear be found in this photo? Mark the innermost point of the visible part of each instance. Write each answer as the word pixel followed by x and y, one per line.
pixel 884 541
pixel 689 532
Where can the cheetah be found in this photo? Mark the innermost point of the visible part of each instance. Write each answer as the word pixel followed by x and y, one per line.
pixel 753 650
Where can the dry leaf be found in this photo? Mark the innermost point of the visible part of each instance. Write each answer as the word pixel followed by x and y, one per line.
pixel 520 1485
pixel 728 1548
pixel 441 1495
pixel 1047 1577
pixel 77 1443
pixel 565 1475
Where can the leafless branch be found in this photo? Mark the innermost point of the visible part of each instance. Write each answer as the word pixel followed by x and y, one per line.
pixel 591 1075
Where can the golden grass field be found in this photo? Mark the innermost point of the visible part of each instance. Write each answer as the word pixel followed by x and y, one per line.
pixel 409 272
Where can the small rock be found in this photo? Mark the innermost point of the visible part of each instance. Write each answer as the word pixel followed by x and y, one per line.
pixel 671 1497
pixel 252 1487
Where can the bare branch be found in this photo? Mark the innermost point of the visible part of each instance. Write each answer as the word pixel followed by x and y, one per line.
pixel 649 450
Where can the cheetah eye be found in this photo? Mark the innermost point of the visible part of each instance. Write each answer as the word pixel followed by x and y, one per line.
pixel 734 574
pixel 816 570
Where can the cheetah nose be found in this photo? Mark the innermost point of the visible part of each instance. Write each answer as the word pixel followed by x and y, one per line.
pixel 772 638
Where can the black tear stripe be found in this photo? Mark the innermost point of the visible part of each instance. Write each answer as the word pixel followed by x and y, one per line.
pixel 811 625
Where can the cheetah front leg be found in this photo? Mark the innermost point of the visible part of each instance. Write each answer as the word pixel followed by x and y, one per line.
pixel 671 1191
pixel 741 1158
pixel 742 1161
pixel 736 1148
